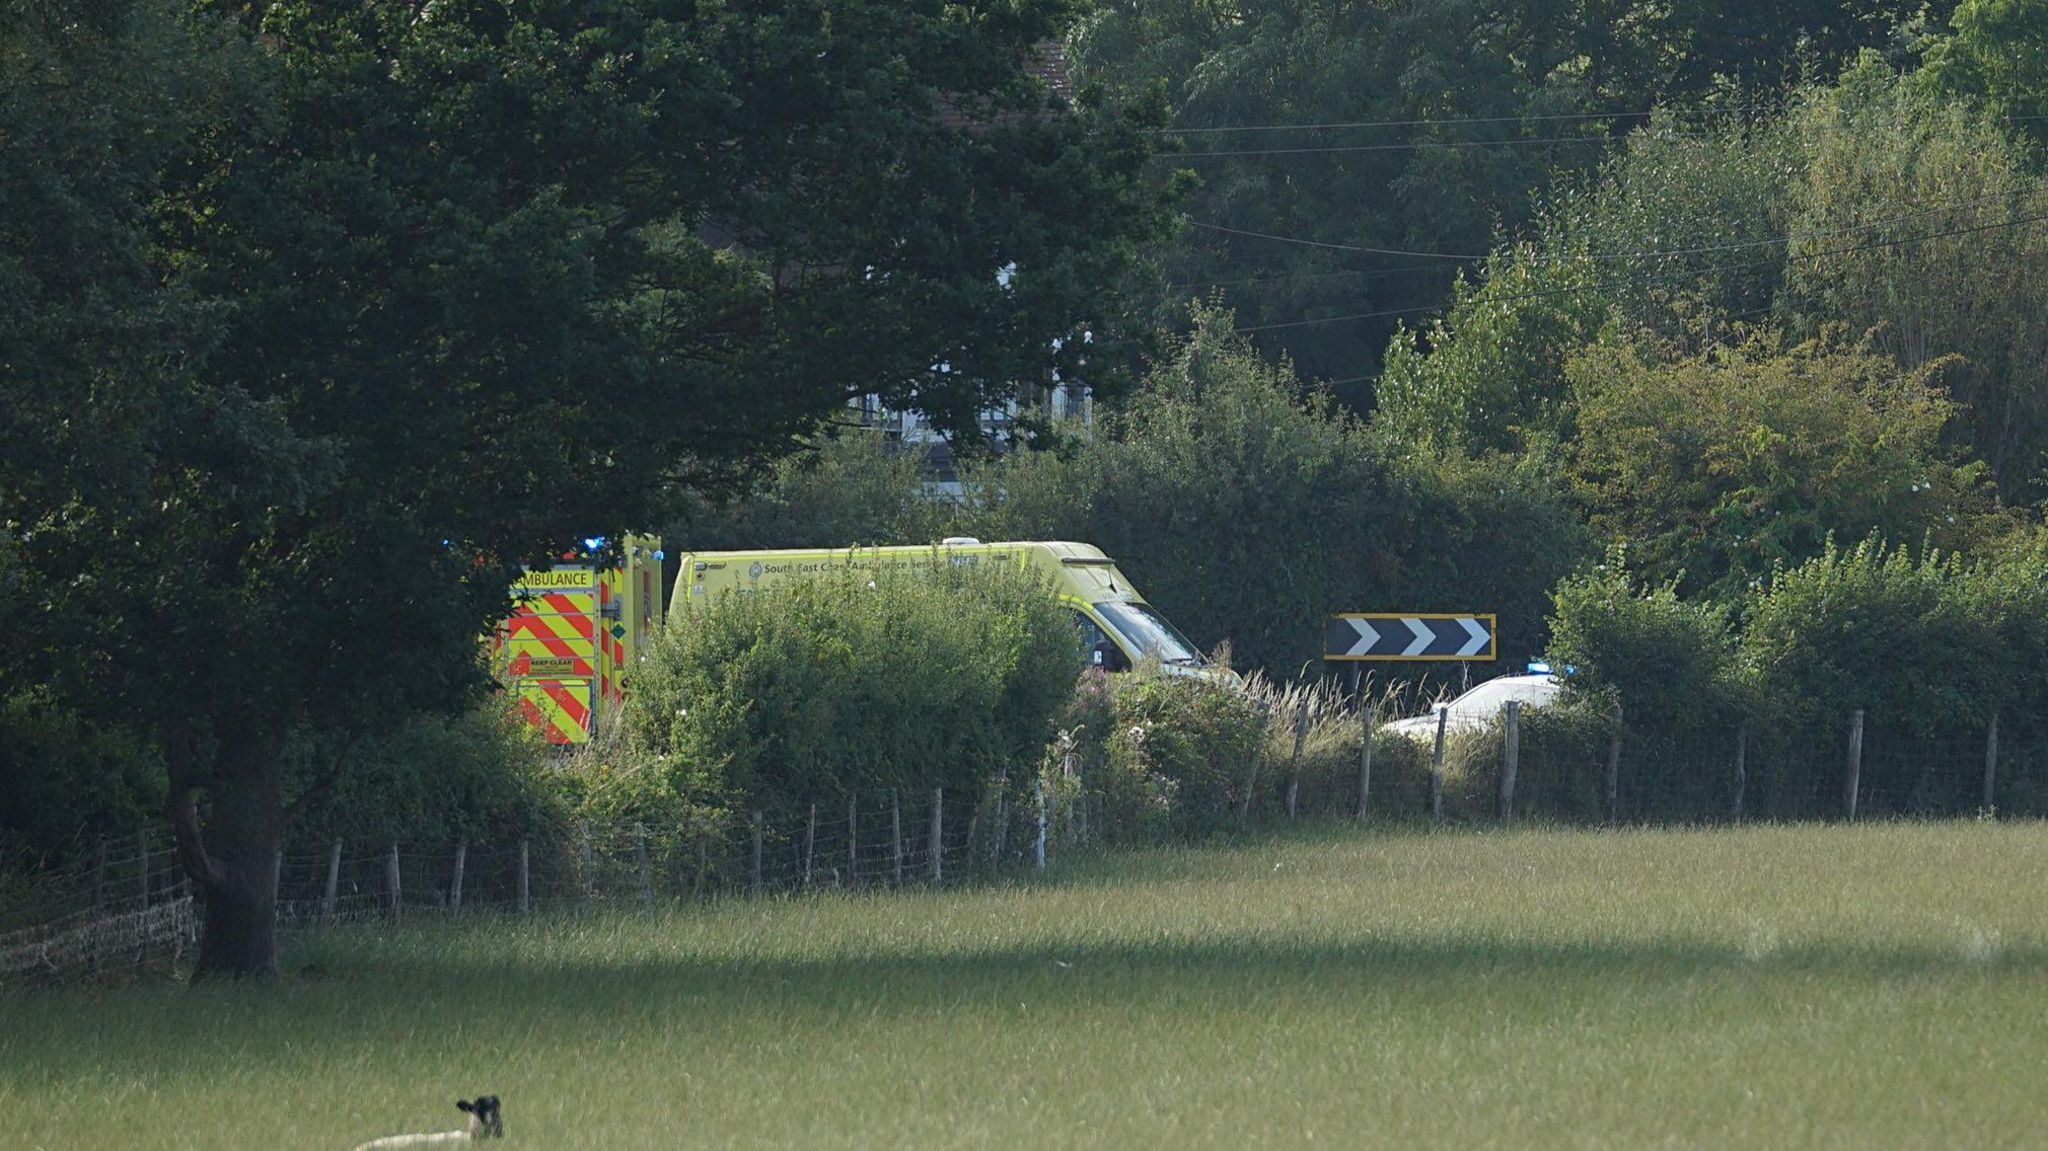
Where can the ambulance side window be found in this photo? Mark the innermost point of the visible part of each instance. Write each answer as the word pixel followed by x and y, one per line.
pixel 1094 639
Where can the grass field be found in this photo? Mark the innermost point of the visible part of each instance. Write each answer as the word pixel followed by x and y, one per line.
pixel 1877 986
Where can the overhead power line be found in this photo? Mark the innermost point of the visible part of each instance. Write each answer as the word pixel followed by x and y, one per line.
pixel 1647 254
pixel 1410 146
pixel 1423 123
pixel 1344 125
pixel 1628 281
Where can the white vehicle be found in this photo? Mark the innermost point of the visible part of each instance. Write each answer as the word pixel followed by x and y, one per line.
pixel 1482 705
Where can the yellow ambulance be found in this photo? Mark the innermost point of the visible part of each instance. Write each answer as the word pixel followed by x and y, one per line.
pixel 576 630
pixel 1118 627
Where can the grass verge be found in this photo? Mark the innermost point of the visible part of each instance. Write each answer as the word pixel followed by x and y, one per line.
pixel 1772 987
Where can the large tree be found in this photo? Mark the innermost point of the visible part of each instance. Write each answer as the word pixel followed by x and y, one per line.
pixel 470 280
pixel 1345 149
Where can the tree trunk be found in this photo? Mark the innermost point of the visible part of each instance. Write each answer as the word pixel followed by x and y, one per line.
pixel 233 857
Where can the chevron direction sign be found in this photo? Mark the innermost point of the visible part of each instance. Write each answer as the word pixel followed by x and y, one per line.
pixel 1397 636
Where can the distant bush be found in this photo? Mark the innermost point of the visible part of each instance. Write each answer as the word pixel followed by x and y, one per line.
pixel 1670 663
pixel 65 782
pixel 857 682
pixel 479 776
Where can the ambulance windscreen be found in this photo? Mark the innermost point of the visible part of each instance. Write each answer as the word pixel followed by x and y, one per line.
pixel 1149 633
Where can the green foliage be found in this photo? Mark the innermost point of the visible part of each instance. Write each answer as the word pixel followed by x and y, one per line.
pixel 840 490
pixel 401 296
pixel 1176 758
pixel 1871 627
pixel 1489 375
pixel 1223 489
pixel 1669 663
pixel 1245 506
pixel 1717 466
pixel 855 683
pixel 65 782
pixel 1996 53
pixel 1920 222
pixel 478 776
pixel 1456 110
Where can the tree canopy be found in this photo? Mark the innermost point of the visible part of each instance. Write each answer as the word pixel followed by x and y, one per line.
pixel 331 317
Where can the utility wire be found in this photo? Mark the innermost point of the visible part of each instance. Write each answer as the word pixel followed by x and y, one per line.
pixel 1629 281
pixel 1352 124
pixel 1648 254
pixel 1407 147
pixel 1552 117
pixel 1294 276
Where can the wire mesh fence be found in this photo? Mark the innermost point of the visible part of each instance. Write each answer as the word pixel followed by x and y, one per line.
pixel 129 908
pixel 125 908
pixel 135 911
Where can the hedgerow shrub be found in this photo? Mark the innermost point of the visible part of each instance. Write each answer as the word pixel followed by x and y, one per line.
pixel 1176 758
pixel 1668 662
pixel 479 776
pixel 64 782
pixel 1874 628
pixel 857 682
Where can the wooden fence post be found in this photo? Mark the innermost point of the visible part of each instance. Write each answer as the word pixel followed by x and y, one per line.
pixel 754 874
pixel 703 865
pixel 1071 763
pixel 142 870
pixel 1436 767
pixel 1294 764
pixel 99 903
pixel 391 883
pixel 276 878
pixel 810 844
pixel 1368 717
pixel 896 837
pixel 1251 787
pixel 938 837
pixel 455 886
pixel 525 877
pixel 1510 761
pixel 331 890
pixel 1038 844
pixel 852 841
pixel 1002 818
pixel 1990 805
pixel 1741 767
pixel 1852 781
pixel 584 879
pixel 1614 770
pixel 640 862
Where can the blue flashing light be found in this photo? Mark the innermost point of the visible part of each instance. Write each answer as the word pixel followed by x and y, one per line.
pixel 659 555
pixel 1539 667
pixel 593 544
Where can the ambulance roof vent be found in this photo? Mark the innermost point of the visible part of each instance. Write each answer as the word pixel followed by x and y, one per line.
pixel 958 541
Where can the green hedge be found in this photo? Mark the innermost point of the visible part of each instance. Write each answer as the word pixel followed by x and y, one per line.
pixel 858 682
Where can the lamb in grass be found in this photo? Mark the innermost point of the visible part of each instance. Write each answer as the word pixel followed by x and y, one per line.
pixel 484 1123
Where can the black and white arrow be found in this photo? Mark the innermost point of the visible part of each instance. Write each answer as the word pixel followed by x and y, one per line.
pixel 1398 636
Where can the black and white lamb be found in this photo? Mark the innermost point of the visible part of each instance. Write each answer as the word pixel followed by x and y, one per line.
pixel 484 1123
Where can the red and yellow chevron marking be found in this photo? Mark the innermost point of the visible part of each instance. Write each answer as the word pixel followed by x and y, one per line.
pixel 560 708
pixel 548 652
